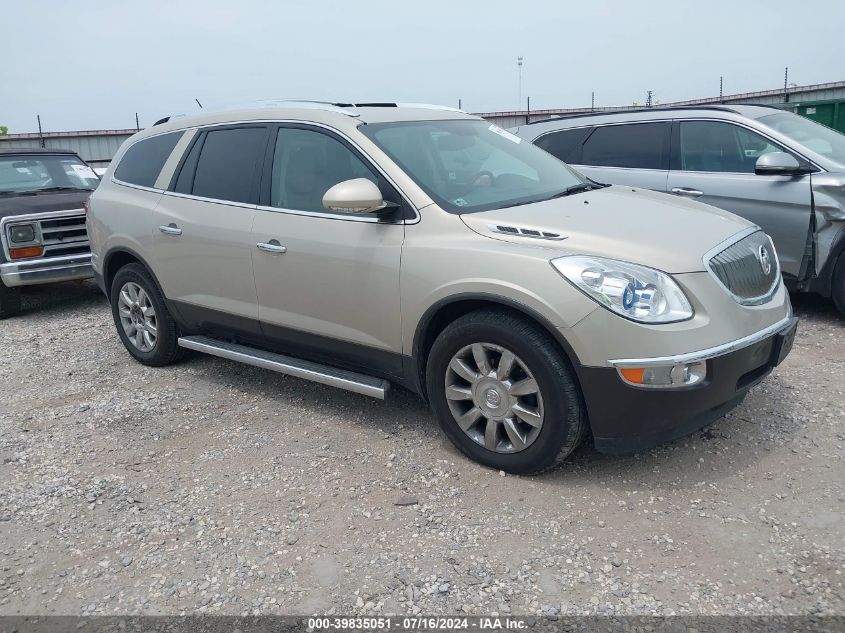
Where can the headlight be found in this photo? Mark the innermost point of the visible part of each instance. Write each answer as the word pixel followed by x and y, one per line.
pixel 635 292
pixel 22 233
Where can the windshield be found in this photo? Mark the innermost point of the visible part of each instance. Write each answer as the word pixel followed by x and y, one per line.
pixel 24 174
pixel 818 138
pixel 469 165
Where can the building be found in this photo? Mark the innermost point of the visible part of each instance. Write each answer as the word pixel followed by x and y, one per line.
pixel 96 147
pixel 824 103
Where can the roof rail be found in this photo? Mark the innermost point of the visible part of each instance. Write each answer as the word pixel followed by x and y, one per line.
pixel 340 107
pixel 720 108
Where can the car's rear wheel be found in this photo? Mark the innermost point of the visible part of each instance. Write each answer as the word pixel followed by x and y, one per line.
pixel 140 314
pixel 504 393
pixel 10 301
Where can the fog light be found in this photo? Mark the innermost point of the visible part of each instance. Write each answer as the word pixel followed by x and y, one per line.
pixel 666 376
pixel 22 233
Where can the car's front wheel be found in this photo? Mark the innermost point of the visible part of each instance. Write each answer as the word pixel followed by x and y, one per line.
pixel 504 393
pixel 143 322
pixel 838 290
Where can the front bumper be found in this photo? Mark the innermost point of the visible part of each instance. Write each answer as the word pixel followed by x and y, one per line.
pixel 626 419
pixel 46 270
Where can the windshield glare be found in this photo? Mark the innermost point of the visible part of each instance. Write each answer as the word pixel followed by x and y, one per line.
pixel 19 174
pixel 814 136
pixel 469 165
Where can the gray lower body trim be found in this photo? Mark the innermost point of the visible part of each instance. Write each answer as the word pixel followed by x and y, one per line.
pixel 46 270
pixel 324 374
pixel 705 354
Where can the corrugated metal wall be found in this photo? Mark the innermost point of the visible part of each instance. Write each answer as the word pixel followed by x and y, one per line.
pixel 95 149
pixel 800 94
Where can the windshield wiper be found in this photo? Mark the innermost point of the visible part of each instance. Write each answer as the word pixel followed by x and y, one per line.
pixel 51 189
pixel 581 187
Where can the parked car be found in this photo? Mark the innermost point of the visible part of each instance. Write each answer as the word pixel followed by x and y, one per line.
pixel 42 220
pixel 342 244
pixel 781 171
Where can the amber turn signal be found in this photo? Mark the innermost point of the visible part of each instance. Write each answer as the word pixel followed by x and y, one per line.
pixel 633 374
pixel 28 251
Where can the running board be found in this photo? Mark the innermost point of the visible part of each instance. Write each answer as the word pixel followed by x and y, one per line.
pixel 324 374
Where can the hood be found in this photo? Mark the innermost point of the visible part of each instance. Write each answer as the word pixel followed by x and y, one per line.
pixel 42 202
pixel 659 230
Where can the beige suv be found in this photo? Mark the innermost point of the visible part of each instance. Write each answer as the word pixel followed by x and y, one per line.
pixel 369 244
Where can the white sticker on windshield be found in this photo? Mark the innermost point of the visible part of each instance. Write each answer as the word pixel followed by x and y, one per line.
pixel 84 172
pixel 505 133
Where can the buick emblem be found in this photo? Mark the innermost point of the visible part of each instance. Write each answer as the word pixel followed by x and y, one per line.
pixel 765 260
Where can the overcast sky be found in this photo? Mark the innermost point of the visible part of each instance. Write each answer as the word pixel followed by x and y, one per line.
pixel 93 64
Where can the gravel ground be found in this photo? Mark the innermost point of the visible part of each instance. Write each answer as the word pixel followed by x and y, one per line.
pixel 219 488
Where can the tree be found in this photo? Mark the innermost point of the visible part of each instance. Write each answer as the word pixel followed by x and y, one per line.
pixel 4 130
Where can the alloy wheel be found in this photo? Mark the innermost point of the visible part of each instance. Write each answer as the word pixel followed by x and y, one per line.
pixel 137 316
pixel 494 398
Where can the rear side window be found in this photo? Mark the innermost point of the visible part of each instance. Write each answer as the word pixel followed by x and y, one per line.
pixel 143 161
pixel 227 164
pixel 635 145
pixel 565 144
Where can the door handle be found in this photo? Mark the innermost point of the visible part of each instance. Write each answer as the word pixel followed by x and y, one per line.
pixel 170 229
pixel 686 191
pixel 272 246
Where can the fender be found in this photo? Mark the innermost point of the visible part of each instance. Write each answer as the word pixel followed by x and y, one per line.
pixel 421 335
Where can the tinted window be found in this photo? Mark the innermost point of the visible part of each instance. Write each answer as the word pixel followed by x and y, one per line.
pixel 306 164
pixel 563 144
pixel 721 147
pixel 637 145
pixel 227 164
pixel 185 181
pixel 143 161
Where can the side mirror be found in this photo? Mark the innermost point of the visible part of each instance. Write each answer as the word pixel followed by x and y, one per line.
pixel 358 195
pixel 779 164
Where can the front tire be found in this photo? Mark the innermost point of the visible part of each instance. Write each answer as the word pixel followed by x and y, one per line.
pixel 504 393
pixel 838 289
pixel 144 325
pixel 10 301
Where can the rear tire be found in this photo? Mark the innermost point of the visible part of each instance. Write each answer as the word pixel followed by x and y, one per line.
pixel 535 426
pixel 10 301
pixel 144 325
pixel 838 289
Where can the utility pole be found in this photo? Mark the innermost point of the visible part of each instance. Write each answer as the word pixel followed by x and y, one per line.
pixel 528 111
pixel 40 134
pixel 519 65
pixel 785 84
pixel 459 105
pixel 648 99
pixel 593 101
pixel 720 89
pixel 137 124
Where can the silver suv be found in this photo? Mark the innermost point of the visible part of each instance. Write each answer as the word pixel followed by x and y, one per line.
pixel 781 171
pixel 364 245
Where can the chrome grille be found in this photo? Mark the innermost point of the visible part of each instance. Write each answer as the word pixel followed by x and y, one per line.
pixel 748 269
pixel 64 236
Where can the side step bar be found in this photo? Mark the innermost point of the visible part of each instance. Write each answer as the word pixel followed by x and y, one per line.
pixel 324 374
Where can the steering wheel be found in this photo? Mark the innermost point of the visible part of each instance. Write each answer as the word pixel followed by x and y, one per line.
pixel 479 175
